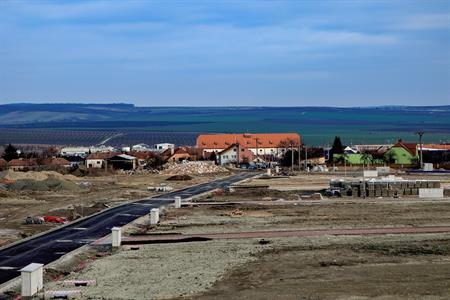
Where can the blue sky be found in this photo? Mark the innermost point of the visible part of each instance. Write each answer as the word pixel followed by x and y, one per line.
pixel 208 53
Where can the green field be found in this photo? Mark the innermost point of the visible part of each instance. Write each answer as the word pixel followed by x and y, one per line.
pixel 317 125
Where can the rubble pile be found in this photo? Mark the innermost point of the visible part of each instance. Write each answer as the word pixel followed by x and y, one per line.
pixel 193 167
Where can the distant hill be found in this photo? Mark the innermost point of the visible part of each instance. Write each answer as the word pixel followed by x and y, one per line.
pixel 318 125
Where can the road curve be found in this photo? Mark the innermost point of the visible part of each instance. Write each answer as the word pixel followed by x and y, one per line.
pixel 49 247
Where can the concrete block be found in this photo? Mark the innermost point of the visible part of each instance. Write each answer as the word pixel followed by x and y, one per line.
pixel 116 237
pixel 32 279
pixel 79 282
pixel 177 202
pixel 431 193
pixel 383 170
pixel 72 294
pixel 428 167
pixel 277 169
pixel 269 172
pixel 154 216
pixel 370 173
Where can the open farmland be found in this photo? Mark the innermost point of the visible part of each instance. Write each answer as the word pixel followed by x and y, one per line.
pixel 317 125
pixel 92 137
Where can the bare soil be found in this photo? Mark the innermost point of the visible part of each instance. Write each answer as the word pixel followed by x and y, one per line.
pixel 95 194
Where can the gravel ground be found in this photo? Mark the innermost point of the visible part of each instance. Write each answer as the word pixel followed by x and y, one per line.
pixel 164 270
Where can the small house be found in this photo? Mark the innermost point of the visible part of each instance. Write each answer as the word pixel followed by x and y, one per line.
pixel 123 162
pixel 99 160
pixel 402 153
pixel 22 164
pixel 234 154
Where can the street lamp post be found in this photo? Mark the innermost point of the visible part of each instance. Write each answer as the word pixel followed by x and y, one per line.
pixel 420 134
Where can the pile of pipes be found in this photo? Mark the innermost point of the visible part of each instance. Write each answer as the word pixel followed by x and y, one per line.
pixel 390 186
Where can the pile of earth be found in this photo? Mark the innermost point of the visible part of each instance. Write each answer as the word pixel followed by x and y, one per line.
pixel 10 175
pixel 179 178
pixel 49 184
pixel 37 181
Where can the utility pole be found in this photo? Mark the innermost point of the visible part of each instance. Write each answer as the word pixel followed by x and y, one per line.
pixel 420 134
pixel 292 157
pixel 306 158
pixel 257 153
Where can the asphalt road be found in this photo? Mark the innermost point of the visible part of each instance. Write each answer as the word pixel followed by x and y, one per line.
pixel 51 246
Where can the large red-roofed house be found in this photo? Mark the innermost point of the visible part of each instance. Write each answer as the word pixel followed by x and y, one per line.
pixel 258 143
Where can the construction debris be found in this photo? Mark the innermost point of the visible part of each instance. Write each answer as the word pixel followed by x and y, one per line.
pixel 193 167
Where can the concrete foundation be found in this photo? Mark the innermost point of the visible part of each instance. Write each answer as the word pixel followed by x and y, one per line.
pixel 32 279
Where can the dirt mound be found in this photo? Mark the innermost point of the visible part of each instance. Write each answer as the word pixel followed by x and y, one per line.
pixel 179 178
pixel 32 175
pixel 193 167
pixel 49 184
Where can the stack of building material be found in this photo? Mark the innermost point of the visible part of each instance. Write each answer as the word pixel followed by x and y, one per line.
pixel 382 187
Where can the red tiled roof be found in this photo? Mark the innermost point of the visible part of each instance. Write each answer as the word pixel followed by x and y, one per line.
pixel 248 140
pixel 440 147
pixel 56 161
pixel 22 162
pixel 141 154
pixel 102 155
pixel 410 147
pixel 3 163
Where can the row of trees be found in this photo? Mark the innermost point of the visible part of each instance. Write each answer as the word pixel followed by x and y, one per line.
pixel 11 152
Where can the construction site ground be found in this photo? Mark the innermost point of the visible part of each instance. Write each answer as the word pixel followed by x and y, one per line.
pixel 90 195
pixel 267 266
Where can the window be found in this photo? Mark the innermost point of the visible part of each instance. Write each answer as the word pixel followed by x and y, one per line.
pixel 98 162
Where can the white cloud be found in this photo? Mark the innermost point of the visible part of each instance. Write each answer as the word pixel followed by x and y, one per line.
pixel 424 22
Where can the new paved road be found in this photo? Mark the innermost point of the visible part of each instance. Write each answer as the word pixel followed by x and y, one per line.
pixel 51 246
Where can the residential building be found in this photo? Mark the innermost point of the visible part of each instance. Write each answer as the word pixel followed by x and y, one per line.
pixel 123 161
pixel 55 162
pixel 274 144
pixel 75 160
pixel 234 154
pixel 22 164
pixel 183 153
pixel 84 151
pixel 99 160
pixel 74 151
pixel 164 146
pixel 402 153
pixel 141 147
pixel 3 164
